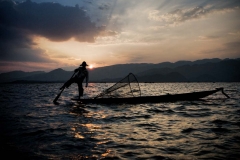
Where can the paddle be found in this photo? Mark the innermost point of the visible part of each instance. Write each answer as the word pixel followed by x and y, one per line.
pixel 59 94
pixel 225 93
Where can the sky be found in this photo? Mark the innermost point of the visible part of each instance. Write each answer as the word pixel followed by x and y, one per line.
pixel 42 35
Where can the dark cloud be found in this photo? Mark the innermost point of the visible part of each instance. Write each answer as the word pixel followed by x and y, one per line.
pixel 20 22
pixel 104 7
pixel 14 38
pixel 51 20
pixel 26 55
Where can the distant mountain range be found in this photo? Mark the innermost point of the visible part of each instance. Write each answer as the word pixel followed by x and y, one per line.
pixel 206 70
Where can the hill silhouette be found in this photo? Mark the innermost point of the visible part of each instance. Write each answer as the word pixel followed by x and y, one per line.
pixel 206 70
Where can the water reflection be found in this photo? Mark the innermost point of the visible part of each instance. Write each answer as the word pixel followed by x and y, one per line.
pixel 90 131
pixel 182 130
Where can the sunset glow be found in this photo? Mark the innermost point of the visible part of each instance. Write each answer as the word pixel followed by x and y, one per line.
pixel 90 66
pixel 108 32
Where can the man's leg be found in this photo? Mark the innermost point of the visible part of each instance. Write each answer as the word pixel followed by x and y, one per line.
pixel 68 83
pixel 80 90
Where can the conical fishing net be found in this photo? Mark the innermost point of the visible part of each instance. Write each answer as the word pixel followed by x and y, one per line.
pixel 127 87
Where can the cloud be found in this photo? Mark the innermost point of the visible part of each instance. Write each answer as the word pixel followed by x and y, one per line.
pixel 237 33
pixel 50 20
pixel 108 33
pixel 226 49
pixel 18 45
pixel 104 7
pixel 21 22
pixel 233 46
pixel 182 14
pixel 207 38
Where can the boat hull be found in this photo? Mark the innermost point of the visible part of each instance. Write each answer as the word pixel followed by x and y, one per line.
pixel 152 99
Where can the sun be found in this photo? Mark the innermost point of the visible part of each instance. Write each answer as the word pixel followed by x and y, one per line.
pixel 90 66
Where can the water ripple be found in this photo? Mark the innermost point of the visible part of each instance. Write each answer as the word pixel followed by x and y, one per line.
pixel 32 127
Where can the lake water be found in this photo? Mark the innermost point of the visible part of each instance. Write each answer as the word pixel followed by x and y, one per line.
pixel 32 127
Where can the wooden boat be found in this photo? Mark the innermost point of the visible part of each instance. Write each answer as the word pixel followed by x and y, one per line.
pixel 153 99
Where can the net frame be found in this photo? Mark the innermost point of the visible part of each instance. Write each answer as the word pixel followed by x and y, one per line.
pixel 128 80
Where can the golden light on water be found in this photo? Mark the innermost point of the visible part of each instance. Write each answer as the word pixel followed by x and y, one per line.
pixel 91 126
pixel 106 153
pixel 79 136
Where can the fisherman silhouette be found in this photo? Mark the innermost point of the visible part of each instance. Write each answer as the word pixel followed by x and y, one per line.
pixel 82 73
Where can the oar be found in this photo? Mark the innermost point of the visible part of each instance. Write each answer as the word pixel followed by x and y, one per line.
pixel 59 94
pixel 225 93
